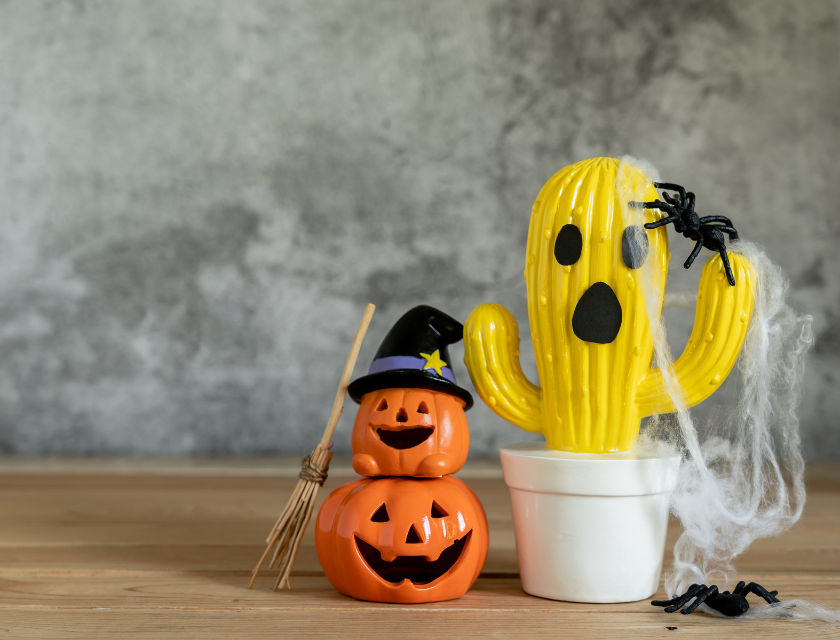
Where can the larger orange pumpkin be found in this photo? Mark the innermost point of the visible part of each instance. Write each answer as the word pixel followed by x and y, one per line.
pixel 410 432
pixel 402 539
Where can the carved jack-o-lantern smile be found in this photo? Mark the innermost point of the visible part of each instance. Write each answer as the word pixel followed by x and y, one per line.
pixel 417 569
pixel 410 432
pixel 402 436
pixel 402 540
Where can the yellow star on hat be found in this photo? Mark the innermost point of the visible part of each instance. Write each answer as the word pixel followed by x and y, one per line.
pixel 433 361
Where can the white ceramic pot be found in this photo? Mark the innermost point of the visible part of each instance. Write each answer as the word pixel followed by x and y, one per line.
pixel 589 527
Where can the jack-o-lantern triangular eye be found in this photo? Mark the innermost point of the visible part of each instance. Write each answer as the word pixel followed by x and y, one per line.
pixel 383 404
pixel 438 511
pixel 381 515
pixel 423 408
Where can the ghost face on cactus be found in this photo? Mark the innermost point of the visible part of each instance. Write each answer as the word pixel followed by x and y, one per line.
pixel 587 254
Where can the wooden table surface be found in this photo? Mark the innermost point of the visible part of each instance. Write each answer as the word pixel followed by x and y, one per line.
pixel 139 548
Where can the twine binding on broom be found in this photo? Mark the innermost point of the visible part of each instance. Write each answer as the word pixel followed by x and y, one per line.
pixel 287 533
pixel 311 472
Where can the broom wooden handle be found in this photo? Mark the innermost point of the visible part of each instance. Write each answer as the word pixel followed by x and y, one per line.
pixel 338 405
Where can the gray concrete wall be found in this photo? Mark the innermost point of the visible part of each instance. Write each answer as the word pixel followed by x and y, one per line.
pixel 197 198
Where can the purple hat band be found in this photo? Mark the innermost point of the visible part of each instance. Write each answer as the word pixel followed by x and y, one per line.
pixel 392 363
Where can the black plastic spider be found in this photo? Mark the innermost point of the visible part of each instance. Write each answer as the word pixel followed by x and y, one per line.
pixel 729 604
pixel 688 223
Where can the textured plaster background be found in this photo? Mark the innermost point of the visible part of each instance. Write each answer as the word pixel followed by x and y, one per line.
pixel 197 198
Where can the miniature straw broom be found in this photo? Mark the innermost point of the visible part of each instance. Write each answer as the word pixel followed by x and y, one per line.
pixel 286 535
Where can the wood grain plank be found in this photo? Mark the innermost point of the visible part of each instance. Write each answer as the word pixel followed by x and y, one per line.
pixel 215 467
pixel 163 548
pixel 227 557
pixel 384 624
pixel 229 590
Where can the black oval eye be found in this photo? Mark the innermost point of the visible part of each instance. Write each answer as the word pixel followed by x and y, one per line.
pixel 381 515
pixel 634 247
pixel 568 245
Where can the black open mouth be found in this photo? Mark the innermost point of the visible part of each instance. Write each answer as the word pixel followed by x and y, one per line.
pixel 414 568
pixel 404 438
pixel 597 316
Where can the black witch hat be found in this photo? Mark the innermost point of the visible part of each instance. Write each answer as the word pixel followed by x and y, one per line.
pixel 415 354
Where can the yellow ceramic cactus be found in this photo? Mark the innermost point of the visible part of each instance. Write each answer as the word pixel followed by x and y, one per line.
pixel 589 325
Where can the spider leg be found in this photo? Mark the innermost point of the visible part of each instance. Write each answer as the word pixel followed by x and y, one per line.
pixel 754 587
pixel 729 276
pixel 677 601
pixel 733 234
pixel 661 222
pixel 664 603
pixel 739 587
pixel 670 186
pixel 723 219
pixel 656 204
pixel 694 252
pixel 670 200
pixel 690 204
pixel 700 600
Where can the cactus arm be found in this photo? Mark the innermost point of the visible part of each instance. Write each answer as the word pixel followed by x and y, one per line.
pixel 491 344
pixel 720 327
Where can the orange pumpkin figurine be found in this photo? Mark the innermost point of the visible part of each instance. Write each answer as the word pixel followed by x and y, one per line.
pixel 410 432
pixel 402 540
pixel 411 421
pixel 420 538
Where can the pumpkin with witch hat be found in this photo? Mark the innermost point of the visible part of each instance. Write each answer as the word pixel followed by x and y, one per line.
pixel 411 421
pixel 422 537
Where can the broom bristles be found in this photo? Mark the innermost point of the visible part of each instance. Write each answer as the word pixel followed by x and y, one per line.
pixel 287 533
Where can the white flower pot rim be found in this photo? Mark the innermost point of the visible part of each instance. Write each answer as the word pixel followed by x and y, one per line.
pixel 588 474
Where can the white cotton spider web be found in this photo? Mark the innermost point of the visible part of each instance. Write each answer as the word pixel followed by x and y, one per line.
pixel 742 471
